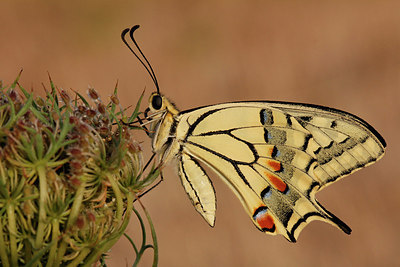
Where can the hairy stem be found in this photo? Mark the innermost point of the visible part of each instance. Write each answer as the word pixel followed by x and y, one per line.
pixel 12 228
pixel 3 249
pixel 41 171
pixel 71 220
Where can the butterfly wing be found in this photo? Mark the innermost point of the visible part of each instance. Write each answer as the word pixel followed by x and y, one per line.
pixel 275 157
pixel 347 142
pixel 198 187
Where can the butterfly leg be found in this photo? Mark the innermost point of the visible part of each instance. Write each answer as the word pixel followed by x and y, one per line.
pixel 155 185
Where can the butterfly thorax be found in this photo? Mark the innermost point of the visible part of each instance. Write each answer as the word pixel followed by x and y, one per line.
pixel 162 129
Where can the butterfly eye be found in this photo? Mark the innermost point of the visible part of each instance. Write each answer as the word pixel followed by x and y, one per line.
pixel 156 102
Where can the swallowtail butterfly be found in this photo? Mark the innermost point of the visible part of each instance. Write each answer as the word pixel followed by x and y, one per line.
pixel 275 156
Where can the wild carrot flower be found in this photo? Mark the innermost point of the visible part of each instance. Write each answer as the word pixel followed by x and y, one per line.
pixel 69 174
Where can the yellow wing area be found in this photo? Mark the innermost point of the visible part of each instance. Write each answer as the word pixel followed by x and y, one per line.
pixel 198 187
pixel 275 157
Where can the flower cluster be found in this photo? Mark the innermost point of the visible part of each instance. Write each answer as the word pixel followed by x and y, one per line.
pixel 69 173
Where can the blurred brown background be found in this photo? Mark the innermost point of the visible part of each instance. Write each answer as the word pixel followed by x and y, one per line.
pixel 342 54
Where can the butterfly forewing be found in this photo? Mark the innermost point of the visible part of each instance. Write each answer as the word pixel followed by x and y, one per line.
pixel 274 156
pixel 347 143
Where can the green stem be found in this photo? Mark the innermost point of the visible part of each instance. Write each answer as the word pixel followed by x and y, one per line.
pixel 81 258
pixel 18 163
pixel 3 176
pixel 55 146
pixel 27 250
pixel 118 196
pixel 3 248
pixel 57 163
pixel 71 220
pixel 153 236
pixel 41 170
pixel 12 228
pixel 55 236
pixel 106 245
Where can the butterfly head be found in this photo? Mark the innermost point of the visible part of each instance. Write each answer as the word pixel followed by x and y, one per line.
pixel 160 104
pixel 160 111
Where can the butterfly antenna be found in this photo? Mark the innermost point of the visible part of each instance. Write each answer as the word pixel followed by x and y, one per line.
pixel 148 67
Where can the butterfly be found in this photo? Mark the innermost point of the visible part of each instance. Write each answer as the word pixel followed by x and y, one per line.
pixel 274 156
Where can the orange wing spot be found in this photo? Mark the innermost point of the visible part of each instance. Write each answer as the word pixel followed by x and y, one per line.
pixel 265 221
pixel 276 182
pixel 270 152
pixel 274 165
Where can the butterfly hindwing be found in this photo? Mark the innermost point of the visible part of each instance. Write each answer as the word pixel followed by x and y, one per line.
pixel 198 187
